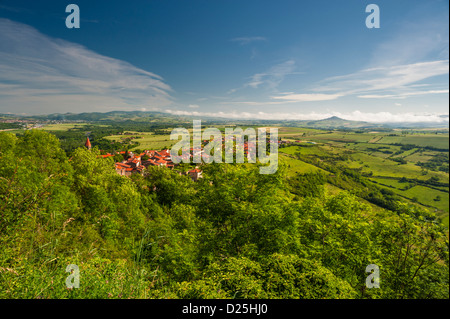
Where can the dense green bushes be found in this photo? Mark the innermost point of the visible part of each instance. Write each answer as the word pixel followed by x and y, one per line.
pixel 233 234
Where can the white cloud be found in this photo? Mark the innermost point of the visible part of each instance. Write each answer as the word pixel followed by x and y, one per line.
pixel 396 79
pixel 393 82
pixel 402 95
pixel 193 106
pixel 307 97
pixel 379 117
pixel 40 74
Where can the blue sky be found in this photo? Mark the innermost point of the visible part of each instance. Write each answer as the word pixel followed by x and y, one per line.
pixel 239 59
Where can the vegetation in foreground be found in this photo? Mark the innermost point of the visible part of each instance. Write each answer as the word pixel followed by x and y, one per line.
pixel 234 234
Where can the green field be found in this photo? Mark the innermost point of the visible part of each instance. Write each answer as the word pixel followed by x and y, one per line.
pixel 385 167
pixel 420 156
pixel 145 140
pixel 297 166
pixel 65 126
pixel 426 195
pixel 433 140
pixel 374 154
pixel 371 153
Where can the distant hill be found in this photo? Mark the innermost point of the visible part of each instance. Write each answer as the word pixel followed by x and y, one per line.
pixel 160 118
pixel 337 122
pixel 98 116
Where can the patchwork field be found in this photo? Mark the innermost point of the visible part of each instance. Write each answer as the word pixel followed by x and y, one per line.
pixel 65 126
pixel 433 140
pixel 372 154
pixel 145 140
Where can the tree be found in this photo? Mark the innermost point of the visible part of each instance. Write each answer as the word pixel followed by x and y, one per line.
pixel 412 253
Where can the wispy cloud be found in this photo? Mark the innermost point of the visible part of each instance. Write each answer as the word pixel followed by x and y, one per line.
pixel 419 37
pixel 273 76
pixel 394 79
pixel 411 62
pixel 41 74
pixel 247 40
pixel 12 9
pixel 403 95
pixel 393 82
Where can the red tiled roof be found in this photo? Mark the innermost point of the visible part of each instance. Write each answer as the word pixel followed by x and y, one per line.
pixel 122 165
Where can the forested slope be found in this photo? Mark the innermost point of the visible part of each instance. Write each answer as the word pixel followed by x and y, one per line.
pixel 234 234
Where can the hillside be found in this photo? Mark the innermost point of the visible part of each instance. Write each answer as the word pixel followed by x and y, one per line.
pixel 160 235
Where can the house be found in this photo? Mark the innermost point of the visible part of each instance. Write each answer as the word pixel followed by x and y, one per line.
pixel 135 163
pixel 195 174
pixel 124 169
pixel 107 155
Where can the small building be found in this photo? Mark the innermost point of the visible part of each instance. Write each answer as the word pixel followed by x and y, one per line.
pixel 195 174
pixel 88 143
pixel 135 163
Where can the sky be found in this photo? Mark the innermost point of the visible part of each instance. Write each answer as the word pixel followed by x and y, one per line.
pixel 246 59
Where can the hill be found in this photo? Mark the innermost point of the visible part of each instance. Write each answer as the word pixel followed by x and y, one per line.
pixel 337 122
pixel 333 122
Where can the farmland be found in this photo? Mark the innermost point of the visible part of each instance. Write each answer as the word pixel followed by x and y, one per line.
pixel 394 161
pixel 143 140
pixel 403 162
pixel 334 192
pixel 385 158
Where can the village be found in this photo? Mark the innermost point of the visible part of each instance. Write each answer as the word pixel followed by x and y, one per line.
pixel 136 163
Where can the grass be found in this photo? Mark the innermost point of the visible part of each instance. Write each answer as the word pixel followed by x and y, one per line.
pixel 65 126
pixel 307 150
pixel 420 156
pixel 424 195
pixel 291 150
pixel 407 153
pixel 389 182
pixel 361 145
pixel 433 140
pixel 386 167
pixel 297 166
pixel 295 131
pixel 146 140
pixel 428 140
pixel 421 194
pixel 427 195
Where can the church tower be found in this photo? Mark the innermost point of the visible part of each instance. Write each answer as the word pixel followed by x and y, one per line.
pixel 88 143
